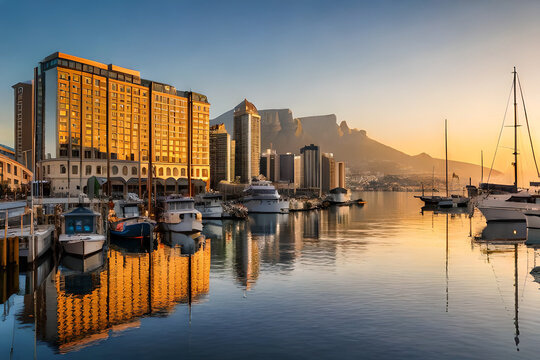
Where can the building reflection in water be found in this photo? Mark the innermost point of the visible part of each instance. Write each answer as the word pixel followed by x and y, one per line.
pixel 269 243
pixel 84 300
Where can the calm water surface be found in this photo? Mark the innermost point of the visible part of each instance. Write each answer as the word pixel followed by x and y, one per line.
pixel 379 281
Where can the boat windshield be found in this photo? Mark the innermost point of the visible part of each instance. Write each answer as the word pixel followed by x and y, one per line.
pixel 131 211
pixel 79 224
pixel 181 205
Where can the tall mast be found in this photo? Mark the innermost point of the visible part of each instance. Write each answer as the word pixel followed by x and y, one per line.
pixel 481 166
pixel 515 134
pixel 446 151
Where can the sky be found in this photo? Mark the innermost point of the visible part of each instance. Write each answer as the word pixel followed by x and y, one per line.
pixel 396 69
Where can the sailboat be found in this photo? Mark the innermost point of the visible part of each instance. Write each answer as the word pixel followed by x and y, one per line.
pixel 511 207
pixel 454 200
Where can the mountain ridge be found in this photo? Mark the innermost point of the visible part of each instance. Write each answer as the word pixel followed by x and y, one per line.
pixel 280 130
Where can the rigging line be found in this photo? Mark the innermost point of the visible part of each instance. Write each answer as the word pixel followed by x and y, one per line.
pixel 528 128
pixel 500 133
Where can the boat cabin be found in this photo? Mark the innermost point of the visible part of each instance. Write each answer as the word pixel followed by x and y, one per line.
pixel 179 204
pixel 80 220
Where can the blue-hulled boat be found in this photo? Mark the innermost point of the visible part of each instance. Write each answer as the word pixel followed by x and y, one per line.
pixel 128 223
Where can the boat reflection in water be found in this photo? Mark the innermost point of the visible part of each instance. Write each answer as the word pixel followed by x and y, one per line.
pixel 87 300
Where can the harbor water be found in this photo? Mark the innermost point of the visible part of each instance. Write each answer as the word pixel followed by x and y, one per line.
pixel 380 281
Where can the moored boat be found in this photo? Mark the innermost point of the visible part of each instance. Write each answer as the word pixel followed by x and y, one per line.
pixel 179 215
pixel 81 232
pixel 209 205
pixel 262 197
pixel 127 221
pixel 338 196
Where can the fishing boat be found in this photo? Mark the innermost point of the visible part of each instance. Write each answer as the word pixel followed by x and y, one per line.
pixel 81 232
pixel 127 222
pixel 179 215
pixel 209 205
pixel 511 206
pixel 262 197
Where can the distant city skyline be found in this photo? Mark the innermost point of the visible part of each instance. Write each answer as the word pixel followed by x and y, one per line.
pixel 394 69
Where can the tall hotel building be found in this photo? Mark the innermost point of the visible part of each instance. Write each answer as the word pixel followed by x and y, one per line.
pixel 247 135
pixel 23 96
pixel 87 111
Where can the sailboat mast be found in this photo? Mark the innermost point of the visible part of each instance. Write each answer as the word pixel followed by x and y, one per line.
pixel 515 134
pixel 446 151
pixel 481 166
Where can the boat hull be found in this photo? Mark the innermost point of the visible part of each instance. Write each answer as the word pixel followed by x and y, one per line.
pixel 187 225
pixel 82 245
pixel 210 212
pixel 502 213
pixel 270 206
pixel 533 219
pixel 138 230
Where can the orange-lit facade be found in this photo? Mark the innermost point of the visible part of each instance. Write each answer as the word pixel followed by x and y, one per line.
pixel 130 287
pixel 87 110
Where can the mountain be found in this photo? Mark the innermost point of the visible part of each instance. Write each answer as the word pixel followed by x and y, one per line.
pixel 280 130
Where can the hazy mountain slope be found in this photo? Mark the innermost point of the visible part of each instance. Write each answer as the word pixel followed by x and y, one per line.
pixel 281 131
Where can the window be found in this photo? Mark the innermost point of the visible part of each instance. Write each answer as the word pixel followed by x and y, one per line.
pixel 205 172
pixel 168 171
pixel 62 169
pixel 9 168
pixel 48 169
pixel 183 172
pixel 98 170
pixel 88 169
pixel 144 171
pixel 125 170
pixel 134 170
pixel 175 171
pixel 160 171
pixel 15 170
pixel 74 169
pixel 115 170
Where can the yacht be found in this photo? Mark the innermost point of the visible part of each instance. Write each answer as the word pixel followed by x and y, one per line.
pixel 262 197
pixel 81 232
pixel 338 196
pixel 179 215
pixel 209 205
pixel 509 207
pixel 127 222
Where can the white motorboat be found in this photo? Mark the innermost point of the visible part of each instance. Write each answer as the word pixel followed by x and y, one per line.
pixel 262 197
pixel 338 196
pixel 508 207
pixel 81 232
pixel 179 215
pixel 209 205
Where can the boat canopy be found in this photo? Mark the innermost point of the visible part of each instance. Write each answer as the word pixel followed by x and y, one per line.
pixel 81 211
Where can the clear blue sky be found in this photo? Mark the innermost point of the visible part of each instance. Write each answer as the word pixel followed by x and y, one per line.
pixel 393 68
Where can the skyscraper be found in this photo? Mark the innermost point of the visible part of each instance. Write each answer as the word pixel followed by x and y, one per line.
pixel 340 174
pixel 220 155
pixel 290 168
pixel 328 172
pixel 247 135
pixel 311 167
pixel 93 118
pixel 23 96
pixel 270 165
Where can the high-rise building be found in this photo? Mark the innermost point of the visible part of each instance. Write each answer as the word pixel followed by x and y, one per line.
pixel 88 112
pixel 232 159
pixel 311 167
pixel 298 171
pixel 220 155
pixel 270 165
pixel 23 141
pixel 247 135
pixel 340 174
pixel 328 172
pixel 290 168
